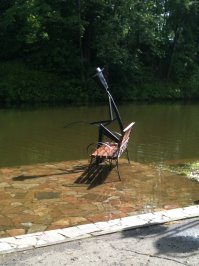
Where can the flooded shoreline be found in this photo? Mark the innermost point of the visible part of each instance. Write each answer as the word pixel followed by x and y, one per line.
pixel 47 196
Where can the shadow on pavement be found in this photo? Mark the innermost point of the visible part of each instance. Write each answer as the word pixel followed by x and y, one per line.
pixel 175 240
pixel 74 170
pixel 94 175
pixel 91 176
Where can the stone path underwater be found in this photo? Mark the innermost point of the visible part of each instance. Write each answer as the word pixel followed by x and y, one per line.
pixel 42 197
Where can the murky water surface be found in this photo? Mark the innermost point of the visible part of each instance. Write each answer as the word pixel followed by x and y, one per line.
pixel 162 132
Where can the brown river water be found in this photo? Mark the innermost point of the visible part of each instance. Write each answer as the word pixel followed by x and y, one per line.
pixel 162 132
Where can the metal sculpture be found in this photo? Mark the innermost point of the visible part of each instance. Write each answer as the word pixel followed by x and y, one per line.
pixel 114 115
pixel 103 130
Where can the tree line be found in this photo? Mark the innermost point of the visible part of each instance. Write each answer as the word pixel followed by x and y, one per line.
pixel 49 49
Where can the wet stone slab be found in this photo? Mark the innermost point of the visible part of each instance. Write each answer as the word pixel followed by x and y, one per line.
pixel 45 197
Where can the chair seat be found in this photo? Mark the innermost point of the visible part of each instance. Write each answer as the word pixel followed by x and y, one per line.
pixel 107 150
pixel 112 150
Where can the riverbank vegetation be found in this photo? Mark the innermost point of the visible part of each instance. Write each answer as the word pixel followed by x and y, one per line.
pixel 49 49
pixel 188 169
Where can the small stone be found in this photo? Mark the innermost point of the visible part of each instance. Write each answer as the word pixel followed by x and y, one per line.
pixel 77 220
pixel 62 222
pixel 15 204
pixel 3 234
pixel 20 195
pixel 46 195
pixel 16 232
pixel 4 221
pixel 28 225
pixel 4 185
pixel 171 206
pixel 37 228
pixel 6 171
pixel 41 211
pixel 25 186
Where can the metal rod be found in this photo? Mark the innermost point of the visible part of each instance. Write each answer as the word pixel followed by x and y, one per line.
pixel 112 104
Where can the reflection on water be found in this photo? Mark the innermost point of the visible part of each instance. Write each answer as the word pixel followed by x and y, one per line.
pixel 162 132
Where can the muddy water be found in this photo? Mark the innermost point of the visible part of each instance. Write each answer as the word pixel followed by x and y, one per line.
pixel 38 135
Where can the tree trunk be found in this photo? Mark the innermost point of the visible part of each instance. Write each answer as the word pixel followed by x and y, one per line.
pixel 80 42
pixel 173 51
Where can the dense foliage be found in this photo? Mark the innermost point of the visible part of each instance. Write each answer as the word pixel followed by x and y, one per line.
pixel 49 48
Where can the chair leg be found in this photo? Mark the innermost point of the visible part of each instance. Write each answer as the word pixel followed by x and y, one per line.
pixel 117 167
pixel 90 165
pixel 127 155
pixel 110 163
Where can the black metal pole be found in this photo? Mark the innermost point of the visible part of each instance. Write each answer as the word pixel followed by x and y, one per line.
pixel 112 103
pixel 116 112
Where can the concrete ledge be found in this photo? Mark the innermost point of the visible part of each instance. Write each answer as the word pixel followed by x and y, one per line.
pixel 41 239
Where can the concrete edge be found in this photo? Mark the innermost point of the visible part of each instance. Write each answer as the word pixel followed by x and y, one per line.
pixel 52 237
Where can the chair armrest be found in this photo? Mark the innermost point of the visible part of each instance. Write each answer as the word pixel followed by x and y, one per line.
pixel 117 133
pixel 104 143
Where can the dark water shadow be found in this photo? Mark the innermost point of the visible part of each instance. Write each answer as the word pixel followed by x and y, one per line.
pixel 175 240
pixel 91 176
pixel 26 177
pixel 94 175
pixel 74 170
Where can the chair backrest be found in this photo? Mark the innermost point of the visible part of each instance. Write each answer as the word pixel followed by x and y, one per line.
pixel 125 138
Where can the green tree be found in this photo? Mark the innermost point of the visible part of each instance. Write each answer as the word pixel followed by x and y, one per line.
pixel 182 32
pixel 138 42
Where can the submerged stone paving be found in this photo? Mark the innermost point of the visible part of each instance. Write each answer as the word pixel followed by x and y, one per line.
pixel 45 197
pixel 52 237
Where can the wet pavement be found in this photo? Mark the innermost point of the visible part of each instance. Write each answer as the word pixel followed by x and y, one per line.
pixel 43 197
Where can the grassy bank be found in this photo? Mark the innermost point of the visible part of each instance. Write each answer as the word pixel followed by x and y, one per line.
pixel 188 169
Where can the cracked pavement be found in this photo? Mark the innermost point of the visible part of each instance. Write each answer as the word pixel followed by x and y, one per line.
pixel 175 243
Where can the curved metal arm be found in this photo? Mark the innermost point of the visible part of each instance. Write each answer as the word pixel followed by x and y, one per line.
pixel 105 122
